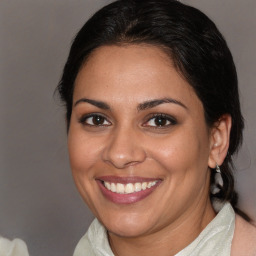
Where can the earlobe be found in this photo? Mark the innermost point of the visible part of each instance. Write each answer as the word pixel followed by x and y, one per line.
pixel 219 141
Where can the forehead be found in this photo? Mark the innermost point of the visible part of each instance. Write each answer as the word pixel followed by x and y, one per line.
pixel 131 72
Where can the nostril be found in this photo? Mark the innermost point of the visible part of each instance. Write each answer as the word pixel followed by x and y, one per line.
pixel 124 149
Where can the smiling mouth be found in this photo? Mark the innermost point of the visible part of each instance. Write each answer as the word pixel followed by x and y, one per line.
pixel 129 188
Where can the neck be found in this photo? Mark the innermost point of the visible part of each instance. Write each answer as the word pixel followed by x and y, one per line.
pixel 169 240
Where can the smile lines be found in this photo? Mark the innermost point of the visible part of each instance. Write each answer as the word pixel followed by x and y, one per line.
pixel 128 188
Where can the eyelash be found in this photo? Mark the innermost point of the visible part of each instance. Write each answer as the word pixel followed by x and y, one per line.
pixel 84 120
pixel 169 119
pixel 165 118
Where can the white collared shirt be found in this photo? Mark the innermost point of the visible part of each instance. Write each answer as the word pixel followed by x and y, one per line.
pixel 15 247
pixel 215 239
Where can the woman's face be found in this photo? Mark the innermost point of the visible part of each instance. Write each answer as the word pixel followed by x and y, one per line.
pixel 138 142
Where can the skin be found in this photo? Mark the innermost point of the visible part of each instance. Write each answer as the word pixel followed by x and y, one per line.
pixel 129 142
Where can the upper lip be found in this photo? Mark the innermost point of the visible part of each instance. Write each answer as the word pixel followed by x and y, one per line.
pixel 125 180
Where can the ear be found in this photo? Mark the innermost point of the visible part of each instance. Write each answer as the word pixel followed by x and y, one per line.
pixel 219 140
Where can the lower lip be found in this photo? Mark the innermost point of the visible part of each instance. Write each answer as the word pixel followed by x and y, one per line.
pixel 126 198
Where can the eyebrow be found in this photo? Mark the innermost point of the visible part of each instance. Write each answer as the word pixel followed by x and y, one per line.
pixel 142 106
pixel 156 102
pixel 99 104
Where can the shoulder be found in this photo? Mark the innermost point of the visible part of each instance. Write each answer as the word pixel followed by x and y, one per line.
pixel 83 247
pixel 15 247
pixel 244 240
pixel 94 242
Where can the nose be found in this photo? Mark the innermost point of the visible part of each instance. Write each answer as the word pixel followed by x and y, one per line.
pixel 124 148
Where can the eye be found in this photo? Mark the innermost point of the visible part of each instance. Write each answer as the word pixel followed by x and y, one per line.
pixel 94 120
pixel 160 120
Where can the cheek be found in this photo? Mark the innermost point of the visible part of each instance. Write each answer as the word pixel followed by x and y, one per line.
pixel 82 156
pixel 82 152
pixel 181 152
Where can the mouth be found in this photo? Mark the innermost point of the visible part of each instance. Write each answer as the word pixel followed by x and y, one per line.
pixel 121 190
pixel 129 188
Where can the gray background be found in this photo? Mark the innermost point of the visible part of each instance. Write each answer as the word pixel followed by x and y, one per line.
pixel 38 201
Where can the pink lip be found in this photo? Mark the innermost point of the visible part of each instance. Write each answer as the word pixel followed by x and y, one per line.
pixel 126 198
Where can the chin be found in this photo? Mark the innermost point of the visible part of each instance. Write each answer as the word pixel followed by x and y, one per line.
pixel 128 231
pixel 127 226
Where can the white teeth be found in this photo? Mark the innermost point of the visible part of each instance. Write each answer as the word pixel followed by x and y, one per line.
pixel 149 185
pixel 144 185
pixel 120 188
pixel 107 185
pixel 128 188
pixel 137 187
pixel 113 187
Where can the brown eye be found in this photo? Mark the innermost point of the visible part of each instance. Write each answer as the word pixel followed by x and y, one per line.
pixel 95 120
pixel 160 120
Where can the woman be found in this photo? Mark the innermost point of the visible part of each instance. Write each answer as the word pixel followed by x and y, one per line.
pixel 153 119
